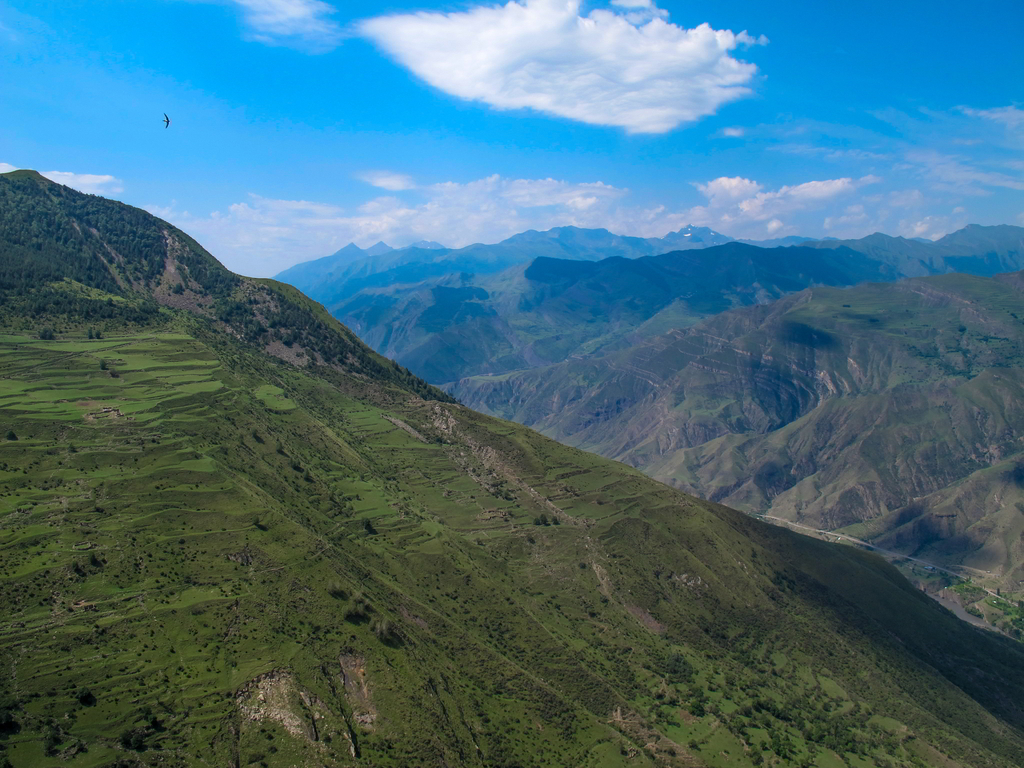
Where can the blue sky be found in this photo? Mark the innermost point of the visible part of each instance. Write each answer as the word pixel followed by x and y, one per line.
pixel 301 125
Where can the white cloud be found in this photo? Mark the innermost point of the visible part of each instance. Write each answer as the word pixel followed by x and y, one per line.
pixel 953 174
pixel 626 67
pixel 1011 117
pixel 743 208
pixel 733 133
pixel 389 180
pixel 297 23
pixel 906 198
pixel 724 189
pixel 92 183
pixel 930 227
pixel 854 215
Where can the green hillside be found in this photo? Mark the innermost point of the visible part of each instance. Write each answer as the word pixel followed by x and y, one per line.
pixel 890 412
pixel 220 551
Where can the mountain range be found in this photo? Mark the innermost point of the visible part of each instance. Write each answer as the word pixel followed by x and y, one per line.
pixel 545 310
pixel 343 273
pixel 233 534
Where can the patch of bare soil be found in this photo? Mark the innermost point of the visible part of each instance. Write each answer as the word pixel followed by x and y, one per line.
pixel 661 749
pixel 357 689
pixel 273 696
pixel 645 618
pixel 294 354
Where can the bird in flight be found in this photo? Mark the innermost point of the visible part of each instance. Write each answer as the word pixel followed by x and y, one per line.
pixel 167 121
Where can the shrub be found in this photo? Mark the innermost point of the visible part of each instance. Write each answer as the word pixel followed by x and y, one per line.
pixel 85 697
pixel 385 631
pixel 336 590
pixel 359 611
pixel 134 738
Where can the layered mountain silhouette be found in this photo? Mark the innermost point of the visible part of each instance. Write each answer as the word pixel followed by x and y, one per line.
pixel 546 310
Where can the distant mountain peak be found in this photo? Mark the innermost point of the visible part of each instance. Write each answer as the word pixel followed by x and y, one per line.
pixel 427 245
pixel 378 248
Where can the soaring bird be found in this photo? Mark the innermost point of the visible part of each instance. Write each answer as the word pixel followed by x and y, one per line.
pixel 167 121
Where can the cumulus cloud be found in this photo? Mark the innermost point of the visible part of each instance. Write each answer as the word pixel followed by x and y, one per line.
pixel 733 133
pixel 297 23
pixel 92 183
pixel 625 67
pixel 740 205
pixel 389 180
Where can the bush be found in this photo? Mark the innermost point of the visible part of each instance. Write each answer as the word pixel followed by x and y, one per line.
pixel 336 590
pixel 46 334
pixel 676 668
pixel 359 611
pixel 385 631
pixel 85 697
pixel 11 435
pixel 134 738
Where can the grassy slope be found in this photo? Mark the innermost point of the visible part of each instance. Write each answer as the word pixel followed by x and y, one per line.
pixel 864 410
pixel 208 523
